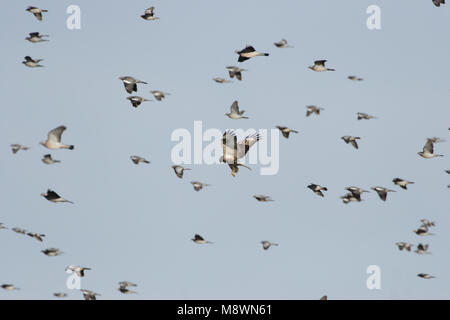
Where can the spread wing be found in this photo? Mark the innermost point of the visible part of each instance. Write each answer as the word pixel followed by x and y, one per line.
pixel 149 11
pixel 247 49
pixel 246 144
pixel 229 145
pixel 320 62
pixel 55 134
pixel 235 107
pixel 428 146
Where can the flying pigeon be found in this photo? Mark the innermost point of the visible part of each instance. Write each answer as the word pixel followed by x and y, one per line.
pixel 198 185
pixel 404 245
pixel 159 95
pixel 199 239
pixel 249 52
pixel 268 244
pixel 232 150
pixel 179 171
pixel 351 140
pixel 78 270
pixel 425 276
pixel 60 294
pixel 8 287
pixel 350 197
pixel 125 290
pixel 31 63
pixel 35 37
pixel 262 198
pixel 422 249
pixel 402 183
pixel 427 223
pixel 36 236
pixel 54 139
pixel 319 66
pixel 54 197
pixel 51 252
pixel 365 116
pixel 313 109
pixel 221 80
pixel 282 44
pixel 355 78
pixel 136 100
pixel 16 147
pixel 356 190
pixel 89 295
pixel 127 284
pixel 382 192
pixel 428 150
pixel 149 14
pixel 235 113
pixel 36 11
pixel 19 230
pixel 438 3
pixel 317 189
pixel 235 72
pixel 136 160
pixel 47 159
pixel 285 131
pixel 423 231
pixel 130 83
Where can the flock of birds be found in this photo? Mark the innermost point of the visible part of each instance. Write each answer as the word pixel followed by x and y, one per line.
pixel 232 152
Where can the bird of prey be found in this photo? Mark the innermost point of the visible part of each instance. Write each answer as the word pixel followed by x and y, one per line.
pixel 317 189
pixel 78 270
pixel 47 159
pixel 235 72
pixel 198 239
pixel 149 14
pixel 136 160
pixel 8 287
pixel 365 116
pixel 221 80
pixel 179 171
pixel 233 151
pixel 422 249
pixel 404 245
pixel 235 113
pixel 35 37
pixel 285 131
pixel 355 78
pixel 313 109
pixel 16 147
pixel 54 197
pixel 130 83
pixel 60 294
pixel 198 185
pixel 262 198
pixel 54 139
pixel 282 44
pixel 19 230
pixel 36 11
pixel 32 63
pixel 89 295
pixel 382 192
pixel 159 95
pixel 249 52
pixel 267 244
pixel 423 231
pixel 136 100
pixel 402 183
pixel 438 3
pixel 428 150
pixel 425 276
pixel 351 140
pixel 36 236
pixel 51 252
pixel 427 223
pixel 319 66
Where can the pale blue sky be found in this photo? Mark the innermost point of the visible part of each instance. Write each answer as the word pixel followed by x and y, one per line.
pixel 135 222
